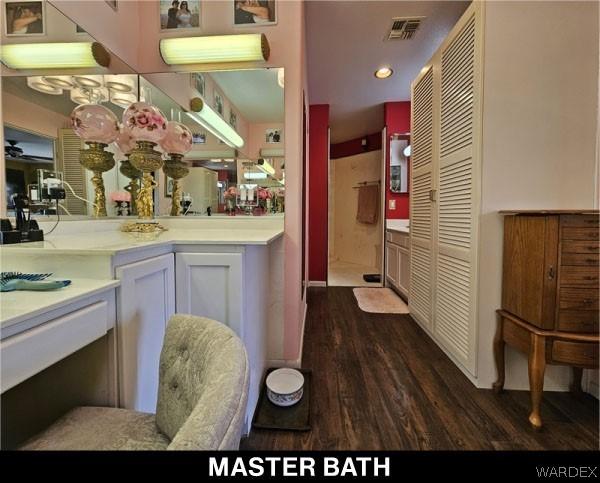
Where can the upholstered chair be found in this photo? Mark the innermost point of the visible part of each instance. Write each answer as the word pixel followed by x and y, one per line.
pixel 203 390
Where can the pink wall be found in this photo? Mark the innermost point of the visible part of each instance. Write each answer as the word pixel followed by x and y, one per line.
pixel 31 117
pixel 318 151
pixel 354 146
pixel 257 138
pixel 397 121
pixel 133 34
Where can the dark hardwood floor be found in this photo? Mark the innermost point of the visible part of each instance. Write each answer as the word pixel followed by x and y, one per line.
pixel 379 382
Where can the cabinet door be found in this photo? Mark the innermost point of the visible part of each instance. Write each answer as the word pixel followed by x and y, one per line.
pixel 422 167
pixel 145 302
pixel 458 179
pixel 210 285
pixel 391 263
pixel 404 270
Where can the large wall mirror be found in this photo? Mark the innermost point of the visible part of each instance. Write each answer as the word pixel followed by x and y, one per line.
pixel 243 177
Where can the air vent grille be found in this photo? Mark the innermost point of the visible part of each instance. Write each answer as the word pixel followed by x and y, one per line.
pixel 404 28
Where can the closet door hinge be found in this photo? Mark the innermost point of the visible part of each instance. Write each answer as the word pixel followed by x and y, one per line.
pixel 432 195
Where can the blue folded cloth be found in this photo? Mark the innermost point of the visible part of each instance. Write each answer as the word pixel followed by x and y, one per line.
pixel 10 281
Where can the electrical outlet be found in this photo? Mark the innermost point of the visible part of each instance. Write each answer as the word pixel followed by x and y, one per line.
pixel 392 204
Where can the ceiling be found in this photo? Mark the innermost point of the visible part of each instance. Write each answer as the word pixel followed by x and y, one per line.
pixel 346 45
pixel 255 93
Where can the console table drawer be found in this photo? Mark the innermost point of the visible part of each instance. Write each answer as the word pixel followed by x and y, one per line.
pixel 400 239
pixel 578 299
pixel 579 276
pixel 580 220
pixel 576 353
pixel 578 321
pixel 580 259
pixel 580 233
pixel 580 246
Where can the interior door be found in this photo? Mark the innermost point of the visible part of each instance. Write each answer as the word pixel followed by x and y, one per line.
pixel 383 203
pixel 422 168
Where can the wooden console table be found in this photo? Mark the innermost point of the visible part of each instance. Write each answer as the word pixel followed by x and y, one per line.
pixel 549 295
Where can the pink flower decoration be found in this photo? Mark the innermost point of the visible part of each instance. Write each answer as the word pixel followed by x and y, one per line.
pixel 120 196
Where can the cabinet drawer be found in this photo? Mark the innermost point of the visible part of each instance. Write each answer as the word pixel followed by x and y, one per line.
pixel 578 299
pixel 400 239
pixel 579 220
pixel 576 353
pixel 578 321
pixel 580 259
pixel 579 246
pixel 579 233
pixel 579 276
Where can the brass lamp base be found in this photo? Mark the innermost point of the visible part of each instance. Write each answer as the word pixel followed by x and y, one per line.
pixel 97 160
pixel 176 169
pixel 143 227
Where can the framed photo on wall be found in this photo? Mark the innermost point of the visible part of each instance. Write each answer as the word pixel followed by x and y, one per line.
pixel 254 12
pixel 232 119
pixel 273 136
pixel 24 19
pixel 168 187
pixel 218 103
pixel 177 14
pixel 198 138
pixel 198 82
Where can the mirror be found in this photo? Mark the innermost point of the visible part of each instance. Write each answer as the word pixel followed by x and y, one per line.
pixel 224 179
pixel 36 105
pixel 399 154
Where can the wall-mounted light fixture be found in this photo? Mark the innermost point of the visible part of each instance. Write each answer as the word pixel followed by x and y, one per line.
pixel 62 55
pixel 265 167
pixel 204 115
pixel 215 49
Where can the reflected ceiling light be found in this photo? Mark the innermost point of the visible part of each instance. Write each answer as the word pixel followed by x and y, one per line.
pixel 119 83
pixel 407 151
pixel 37 83
pixel 215 49
pixel 89 96
pixel 60 81
pixel 88 80
pixel 205 116
pixel 62 55
pixel 383 73
pixel 281 77
pixel 122 99
pixel 255 175
pixel 265 167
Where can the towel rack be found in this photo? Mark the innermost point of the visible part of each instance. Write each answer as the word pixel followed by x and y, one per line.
pixel 365 183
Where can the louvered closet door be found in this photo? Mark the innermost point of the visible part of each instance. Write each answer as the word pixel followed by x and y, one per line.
pixel 69 146
pixel 458 197
pixel 421 207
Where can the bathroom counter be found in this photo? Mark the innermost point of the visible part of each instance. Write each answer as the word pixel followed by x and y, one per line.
pixel 22 305
pixel 401 226
pixel 115 242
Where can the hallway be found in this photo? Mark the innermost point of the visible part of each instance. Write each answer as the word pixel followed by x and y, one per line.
pixel 379 383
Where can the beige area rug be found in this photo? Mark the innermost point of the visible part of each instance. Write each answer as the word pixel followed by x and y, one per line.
pixel 380 301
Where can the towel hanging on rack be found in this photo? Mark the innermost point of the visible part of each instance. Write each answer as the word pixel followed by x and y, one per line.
pixel 368 204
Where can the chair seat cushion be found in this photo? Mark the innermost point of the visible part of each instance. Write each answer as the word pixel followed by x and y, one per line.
pixel 98 428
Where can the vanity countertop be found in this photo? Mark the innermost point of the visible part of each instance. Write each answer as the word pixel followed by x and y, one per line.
pixel 21 305
pixel 113 242
pixel 401 226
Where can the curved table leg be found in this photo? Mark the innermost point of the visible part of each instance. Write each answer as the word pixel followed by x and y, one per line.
pixel 537 367
pixel 498 386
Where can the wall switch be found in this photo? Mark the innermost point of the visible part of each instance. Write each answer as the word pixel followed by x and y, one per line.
pixel 392 204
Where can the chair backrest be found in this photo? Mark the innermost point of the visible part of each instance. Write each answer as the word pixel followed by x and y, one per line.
pixel 203 384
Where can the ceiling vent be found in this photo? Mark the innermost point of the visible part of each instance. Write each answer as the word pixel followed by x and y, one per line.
pixel 404 28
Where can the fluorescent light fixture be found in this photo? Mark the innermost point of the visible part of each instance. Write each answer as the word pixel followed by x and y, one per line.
pixel 265 167
pixel 272 152
pixel 281 77
pixel 60 81
pixel 209 119
pixel 62 55
pixel 37 83
pixel 215 49
pixel 255 175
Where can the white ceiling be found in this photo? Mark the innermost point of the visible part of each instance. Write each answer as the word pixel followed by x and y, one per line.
pixel 255 93
pixel 345 42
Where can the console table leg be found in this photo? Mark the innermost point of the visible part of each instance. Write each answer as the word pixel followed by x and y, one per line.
pixel 537 367
pixel 576 382
pixel 499 357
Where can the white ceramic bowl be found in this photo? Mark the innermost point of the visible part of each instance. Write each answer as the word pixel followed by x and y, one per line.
pixel 285 386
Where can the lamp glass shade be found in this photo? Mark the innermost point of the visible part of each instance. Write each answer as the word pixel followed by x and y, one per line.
pixel 95 123
pixel 178 139
pixel 125 141
pixel 145 122
pixel 214 49
pixel 62 55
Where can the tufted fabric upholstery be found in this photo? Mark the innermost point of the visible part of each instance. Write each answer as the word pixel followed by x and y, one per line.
pixel 203 391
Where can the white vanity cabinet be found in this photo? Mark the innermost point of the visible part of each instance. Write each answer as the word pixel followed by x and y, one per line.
pixel 398 261
pixel 231 285
pixel 145 302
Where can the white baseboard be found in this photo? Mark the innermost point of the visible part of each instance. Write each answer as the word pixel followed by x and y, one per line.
pixel 317 283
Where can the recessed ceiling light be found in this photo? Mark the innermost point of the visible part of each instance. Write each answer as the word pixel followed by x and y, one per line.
pixel 37 83
pixel 60 81
pixel 383 73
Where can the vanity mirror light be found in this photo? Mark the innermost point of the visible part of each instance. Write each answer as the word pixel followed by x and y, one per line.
pixel 399 154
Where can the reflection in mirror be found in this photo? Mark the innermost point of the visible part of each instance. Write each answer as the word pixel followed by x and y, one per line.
pixel 41 149
pixel 224 179
pixel 399 154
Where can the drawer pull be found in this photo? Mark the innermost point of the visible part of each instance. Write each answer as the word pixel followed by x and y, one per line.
pixel 587 301
pixel 590 260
